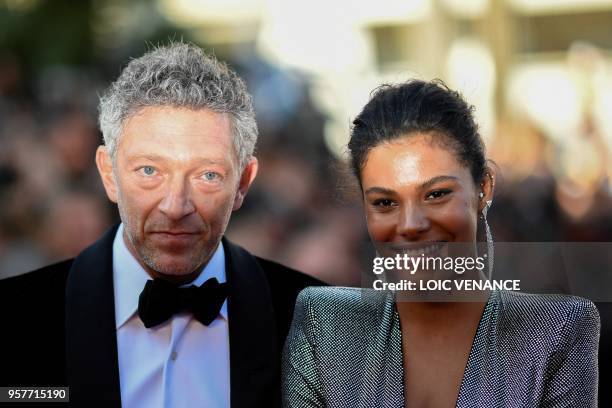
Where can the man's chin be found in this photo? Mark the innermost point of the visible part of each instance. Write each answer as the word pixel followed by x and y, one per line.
pixel 173 268
pixel 162 271
pixel 179 270
pixel 176 263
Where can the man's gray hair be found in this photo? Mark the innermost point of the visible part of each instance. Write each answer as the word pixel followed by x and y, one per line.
pixel 179 75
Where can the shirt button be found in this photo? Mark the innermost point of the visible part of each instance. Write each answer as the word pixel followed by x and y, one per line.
pixel 173 356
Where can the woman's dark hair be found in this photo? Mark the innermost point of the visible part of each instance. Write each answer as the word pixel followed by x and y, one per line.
pixel 396 111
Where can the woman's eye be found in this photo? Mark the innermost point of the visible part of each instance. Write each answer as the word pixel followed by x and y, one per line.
pixel 437 194
pixel 147 170
pixel 383 203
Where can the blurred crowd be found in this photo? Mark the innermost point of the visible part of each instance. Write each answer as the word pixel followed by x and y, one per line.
pixel 304 208
pixel 51 200
pixel 548 191
pixel 53 205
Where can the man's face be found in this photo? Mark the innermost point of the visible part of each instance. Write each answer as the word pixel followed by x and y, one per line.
pixel 176 181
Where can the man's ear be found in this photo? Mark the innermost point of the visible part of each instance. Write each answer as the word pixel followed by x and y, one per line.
pixel 105 168
pixel 246 179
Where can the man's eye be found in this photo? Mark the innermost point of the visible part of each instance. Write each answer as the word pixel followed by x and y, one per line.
pixel 147 170
pixel 437 194
pixel 210 176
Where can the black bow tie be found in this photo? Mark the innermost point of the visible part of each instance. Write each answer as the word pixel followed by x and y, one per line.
pixel 160 300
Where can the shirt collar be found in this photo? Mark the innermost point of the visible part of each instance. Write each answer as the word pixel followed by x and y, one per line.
pixel 129 278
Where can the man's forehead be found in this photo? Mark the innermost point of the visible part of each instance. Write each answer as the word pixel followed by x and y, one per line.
pixel 162 114
pixel 163 131
pixel 168 157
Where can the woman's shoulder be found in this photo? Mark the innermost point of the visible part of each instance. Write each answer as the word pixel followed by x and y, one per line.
pixel 551 313
pixel 544 304
pixel 343 301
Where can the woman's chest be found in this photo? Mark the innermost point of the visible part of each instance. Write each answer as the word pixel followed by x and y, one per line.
pixel 434 370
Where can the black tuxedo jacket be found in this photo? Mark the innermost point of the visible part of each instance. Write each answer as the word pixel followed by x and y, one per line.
pixel 58 326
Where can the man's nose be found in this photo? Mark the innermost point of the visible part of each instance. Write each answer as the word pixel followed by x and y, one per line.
pixel 177 202
pixel 413 221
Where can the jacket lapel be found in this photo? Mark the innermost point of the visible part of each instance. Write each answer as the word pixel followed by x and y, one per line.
pixel 254 359
pixel 91 342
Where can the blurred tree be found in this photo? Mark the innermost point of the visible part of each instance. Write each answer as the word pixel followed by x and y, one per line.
pixel 43 33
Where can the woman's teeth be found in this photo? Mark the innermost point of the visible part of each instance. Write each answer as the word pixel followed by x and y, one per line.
pixel 425 251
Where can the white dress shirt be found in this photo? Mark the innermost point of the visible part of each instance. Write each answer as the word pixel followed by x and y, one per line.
pixel 180 363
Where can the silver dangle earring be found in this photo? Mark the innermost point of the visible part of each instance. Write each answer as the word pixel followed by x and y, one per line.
pixel 490 246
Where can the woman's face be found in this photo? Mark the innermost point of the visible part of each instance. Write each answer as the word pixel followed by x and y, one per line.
pixel 416 190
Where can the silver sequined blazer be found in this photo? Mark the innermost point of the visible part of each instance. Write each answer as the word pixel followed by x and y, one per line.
pixel 344 350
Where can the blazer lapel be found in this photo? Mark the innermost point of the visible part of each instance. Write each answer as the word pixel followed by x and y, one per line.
pixel 91 342
pixel 254 359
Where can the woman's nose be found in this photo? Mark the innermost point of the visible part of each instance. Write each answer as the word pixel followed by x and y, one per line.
pixel 413 222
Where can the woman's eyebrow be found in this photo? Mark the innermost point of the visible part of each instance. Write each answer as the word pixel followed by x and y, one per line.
pixel 380 190
pixel 425 185
pixel 437 179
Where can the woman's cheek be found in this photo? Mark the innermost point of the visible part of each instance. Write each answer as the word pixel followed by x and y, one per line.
pixel 381 227
pixel 458 220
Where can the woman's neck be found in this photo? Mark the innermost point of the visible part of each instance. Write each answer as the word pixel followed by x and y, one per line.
pixel 445 314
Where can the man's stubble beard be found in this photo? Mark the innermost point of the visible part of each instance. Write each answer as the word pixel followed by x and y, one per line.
pixel 147 255
pixel 192 260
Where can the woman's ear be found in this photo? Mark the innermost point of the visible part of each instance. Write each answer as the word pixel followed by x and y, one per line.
pixel 105 168
pixel 487 190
